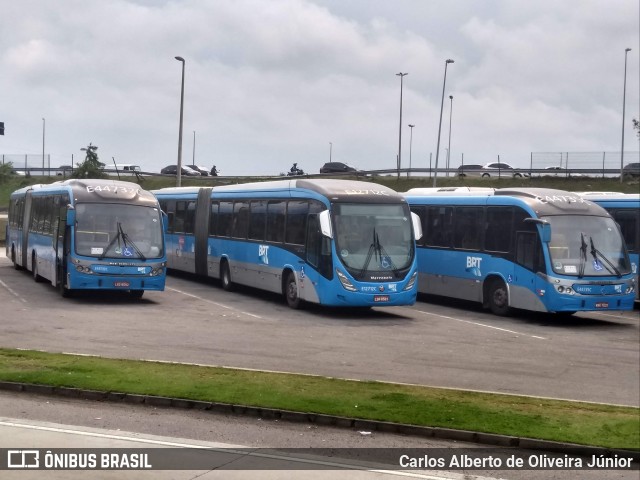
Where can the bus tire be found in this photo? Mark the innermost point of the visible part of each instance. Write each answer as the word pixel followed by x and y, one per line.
pixel 34 269
pixel 291 291
pixel 499 298
pixel 136 293
pixel 225 277
pixel 13 258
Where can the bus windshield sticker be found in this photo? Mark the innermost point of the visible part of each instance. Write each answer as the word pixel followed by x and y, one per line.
pixel 96 250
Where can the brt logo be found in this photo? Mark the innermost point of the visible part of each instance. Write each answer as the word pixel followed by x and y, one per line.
pixel 473 265
pixel 263 253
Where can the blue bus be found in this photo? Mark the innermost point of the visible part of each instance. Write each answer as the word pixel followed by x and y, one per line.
pixel 625 210
pixel 330 242
pixel 527 248
pixel 88 234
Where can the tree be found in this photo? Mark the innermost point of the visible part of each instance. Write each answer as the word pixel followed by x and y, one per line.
pixel 636 126
pixel 91 167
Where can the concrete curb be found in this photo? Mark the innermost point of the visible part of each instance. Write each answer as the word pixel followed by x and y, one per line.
pixel 321 419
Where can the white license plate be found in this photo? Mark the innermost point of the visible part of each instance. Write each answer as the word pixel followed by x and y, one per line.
pixel 121 284
pixel 380 298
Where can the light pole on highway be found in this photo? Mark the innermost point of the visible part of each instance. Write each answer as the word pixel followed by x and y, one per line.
pixel 179 169
pixel 43 129
pixel 399 162
pixel 410 146
pixel 624 94
pixel 435 173
pixel 449 148
pixel 193 160
pixel 330 150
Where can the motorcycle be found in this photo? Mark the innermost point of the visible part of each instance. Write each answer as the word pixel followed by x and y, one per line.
pixel 295 171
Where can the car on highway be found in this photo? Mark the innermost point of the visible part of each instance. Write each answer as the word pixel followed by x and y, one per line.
pixel 186 170
pixel 199 168
pixel 501 169
pixel 557 171
pixel 471 170
pixel 631 170
pixel 337 167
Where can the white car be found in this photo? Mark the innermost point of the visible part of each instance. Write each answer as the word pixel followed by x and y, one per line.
pixel 501 169
pixel 556 171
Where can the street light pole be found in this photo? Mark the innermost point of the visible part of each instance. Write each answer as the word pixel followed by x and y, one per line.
pixel 410 146
pixel 624 94
pixel 435 173
pixel 449 149
pixel 43 129
pixel 399 162
pixel 179 169
pixel 193 160
pixel 330 150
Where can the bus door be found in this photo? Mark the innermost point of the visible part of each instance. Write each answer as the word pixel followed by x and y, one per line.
pixel 527 286
pixel 26 222
pixel 318 259
pixel 60 242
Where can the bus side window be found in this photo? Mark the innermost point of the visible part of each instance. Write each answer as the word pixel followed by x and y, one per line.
pixel 213 219
pixel 190 217
pixel 181 213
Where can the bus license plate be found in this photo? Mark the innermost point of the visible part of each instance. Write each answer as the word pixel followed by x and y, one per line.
pixel 121 284
pixel 380 298
pixel 602 305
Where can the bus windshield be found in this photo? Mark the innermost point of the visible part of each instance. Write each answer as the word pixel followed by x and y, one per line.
pixel 118 231
pixel 373 238
pixel 587 246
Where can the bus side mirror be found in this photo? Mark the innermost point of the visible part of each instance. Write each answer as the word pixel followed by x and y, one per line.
pixel 325 223
pixel 546 232
pixel 417 226
pixel 71 215
pixel 165 221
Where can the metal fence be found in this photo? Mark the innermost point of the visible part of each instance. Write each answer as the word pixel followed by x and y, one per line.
pixel 588 163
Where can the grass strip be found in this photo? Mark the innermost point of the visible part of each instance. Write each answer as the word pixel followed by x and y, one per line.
pixel 557 420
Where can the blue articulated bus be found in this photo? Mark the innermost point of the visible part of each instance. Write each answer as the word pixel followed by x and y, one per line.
pixel 534 249
pixel 88 234
pixel 331 242
pixel 625 210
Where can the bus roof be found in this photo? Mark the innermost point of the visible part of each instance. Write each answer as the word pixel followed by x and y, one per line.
pixel 543 201
pixel 332 189
pixel 90 190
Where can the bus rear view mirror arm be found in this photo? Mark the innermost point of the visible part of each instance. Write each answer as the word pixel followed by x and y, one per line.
pixel 545 228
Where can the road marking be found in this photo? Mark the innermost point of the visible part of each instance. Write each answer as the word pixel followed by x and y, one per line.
pixel 480 324
pixel 214 303
pixel 236 449
pixel 12 292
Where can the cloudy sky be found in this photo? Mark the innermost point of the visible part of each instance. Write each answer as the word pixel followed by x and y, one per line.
pixel 273 82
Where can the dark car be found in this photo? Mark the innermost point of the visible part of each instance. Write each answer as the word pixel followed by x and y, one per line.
pixel 336 167
pixel 173 170
pixel 631 170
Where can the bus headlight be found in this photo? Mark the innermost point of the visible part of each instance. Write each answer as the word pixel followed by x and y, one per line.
pixel 565 290
pixel 156 271
pixel 411 281
pixel 82 269
pixel 630 289
pixel 345 281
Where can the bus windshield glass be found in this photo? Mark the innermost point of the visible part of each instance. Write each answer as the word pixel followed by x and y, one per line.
pixel 587 246
pixel 373 238
pixel 118 231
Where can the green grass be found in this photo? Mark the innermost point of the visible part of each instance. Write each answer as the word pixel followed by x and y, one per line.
pixel 564 421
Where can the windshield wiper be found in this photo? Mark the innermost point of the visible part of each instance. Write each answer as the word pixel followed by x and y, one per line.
pixel 121 235
pixel 583 255
pixel 372 249
pixel 597 253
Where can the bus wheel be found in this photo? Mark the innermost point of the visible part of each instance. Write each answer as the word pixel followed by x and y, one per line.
pixel 291 291
pixel 13 259
pixel 136 293
pixel 225 277
pixel 499 298
pixel 34 269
